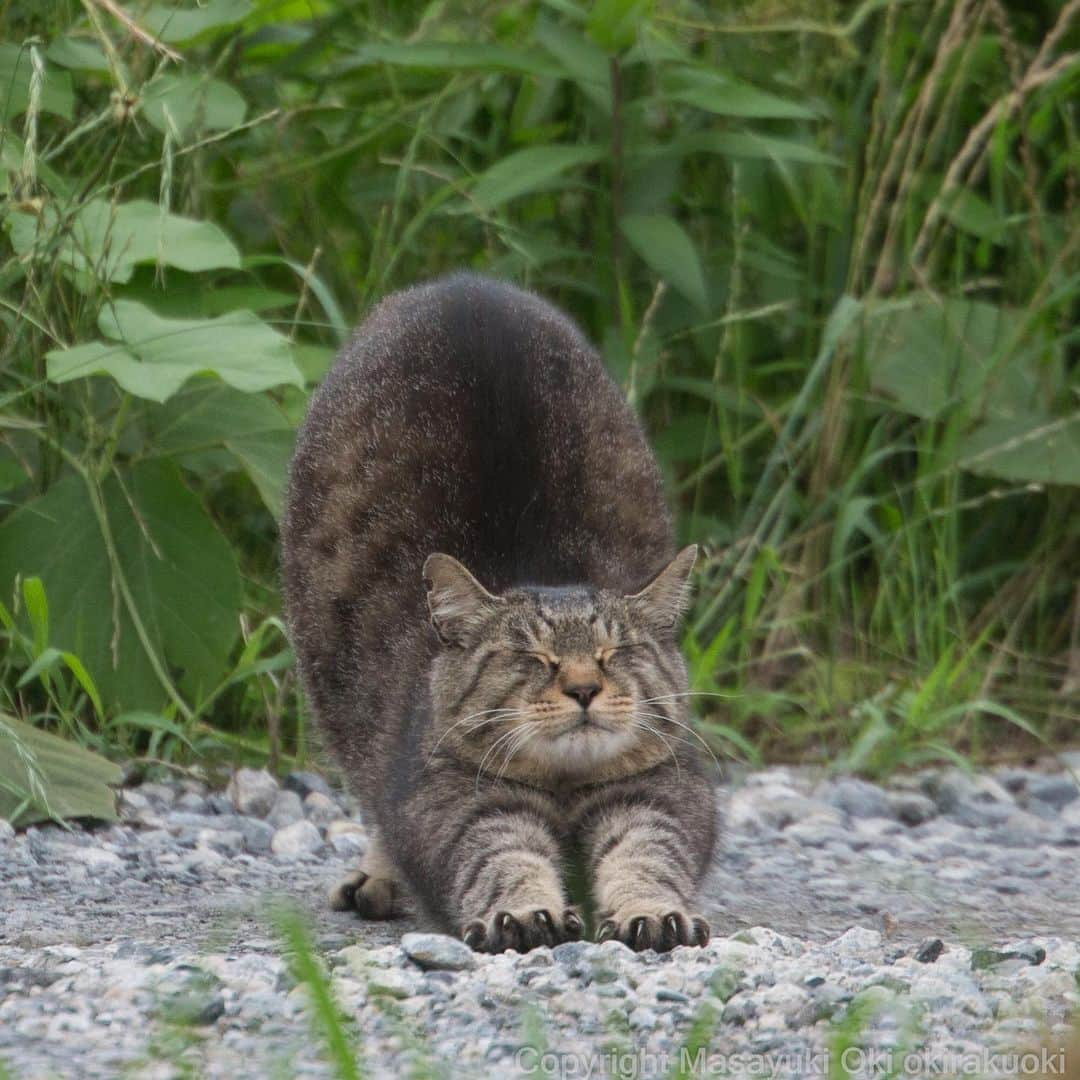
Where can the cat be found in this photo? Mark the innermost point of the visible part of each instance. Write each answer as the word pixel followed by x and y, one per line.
pixel 483 591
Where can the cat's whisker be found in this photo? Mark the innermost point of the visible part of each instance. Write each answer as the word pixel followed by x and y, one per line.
pixel 688 728
pixel 504 738
pixel 641 725
pixel 728 695
pixel 526 734
pixel 488 718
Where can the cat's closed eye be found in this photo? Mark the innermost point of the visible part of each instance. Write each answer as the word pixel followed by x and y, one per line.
pixel 549 662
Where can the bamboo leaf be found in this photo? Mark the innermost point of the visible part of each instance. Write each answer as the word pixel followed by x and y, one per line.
pixel 667 249
pixel 530 170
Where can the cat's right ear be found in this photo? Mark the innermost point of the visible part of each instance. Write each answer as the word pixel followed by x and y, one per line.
pixel 458 603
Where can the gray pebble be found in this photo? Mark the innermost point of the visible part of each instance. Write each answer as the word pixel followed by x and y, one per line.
pixel 304 783
pixel 857 798
pixel 252 791
pixel 439 951
pixel 911 808
pixel 1056 791
pixel 287 808
pixel 257 835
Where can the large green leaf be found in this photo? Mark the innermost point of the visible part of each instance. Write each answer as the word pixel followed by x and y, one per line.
pixel 1025 449
pixel 929 354
pixel 177 25
pixel 159 355
pixel 79 54
pixel 708 89
pixel 667 248
pixel 529 170
pixel 184 103
pixel 44 777
pixel 109 241
pixel 250 426
pixel 15 73
pixel 182 575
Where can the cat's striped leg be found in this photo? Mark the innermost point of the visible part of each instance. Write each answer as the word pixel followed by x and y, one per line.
pixel 507 886
pixel 644 869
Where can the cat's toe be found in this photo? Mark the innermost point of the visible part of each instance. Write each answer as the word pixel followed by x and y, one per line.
pixel 370 897
pixel 522 931
pixel 658 931
pixel 343 893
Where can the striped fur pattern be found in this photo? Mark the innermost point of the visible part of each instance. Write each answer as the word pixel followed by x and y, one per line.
pixel 484 597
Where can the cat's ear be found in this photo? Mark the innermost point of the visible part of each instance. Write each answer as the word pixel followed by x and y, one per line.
pixel 663 602
pixel 458 603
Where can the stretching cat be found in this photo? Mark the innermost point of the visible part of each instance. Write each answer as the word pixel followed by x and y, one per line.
pixel 496 719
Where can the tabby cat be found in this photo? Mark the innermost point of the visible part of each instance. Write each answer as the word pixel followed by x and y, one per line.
pixel 484 595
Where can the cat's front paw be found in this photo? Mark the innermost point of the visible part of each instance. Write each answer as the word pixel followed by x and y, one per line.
pixel 660 930
pixel 522 930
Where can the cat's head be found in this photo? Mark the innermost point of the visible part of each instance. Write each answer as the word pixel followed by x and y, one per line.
pixel 567 682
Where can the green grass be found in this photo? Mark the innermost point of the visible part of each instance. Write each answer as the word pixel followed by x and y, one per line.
pixel 337 1038
pixel 829 250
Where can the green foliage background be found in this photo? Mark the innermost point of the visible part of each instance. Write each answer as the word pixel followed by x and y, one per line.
pixel 829 249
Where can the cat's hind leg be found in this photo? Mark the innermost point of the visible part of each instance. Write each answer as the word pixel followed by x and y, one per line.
pixel 375 890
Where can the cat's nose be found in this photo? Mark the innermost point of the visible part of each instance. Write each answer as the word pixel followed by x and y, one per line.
pixel 582 693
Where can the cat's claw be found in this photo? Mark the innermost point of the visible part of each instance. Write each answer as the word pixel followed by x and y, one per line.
pixel 661 932
pixel 521 931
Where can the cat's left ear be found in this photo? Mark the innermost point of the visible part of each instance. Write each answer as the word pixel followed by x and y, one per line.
pixel 458 603
pixel 663 602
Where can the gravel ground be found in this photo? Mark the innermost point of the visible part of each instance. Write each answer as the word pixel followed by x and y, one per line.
pixel 939 917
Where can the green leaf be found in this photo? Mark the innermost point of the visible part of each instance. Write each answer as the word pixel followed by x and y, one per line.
pixel 37 608
pixel 930 354
pixel 456 56
pixel 748 144
pixel 51 658
pixel 668 250
pixel 181 571
pixel 580 60
pixel 250 426
pixel 529 170
pixel 1025 449
pixel 613 24
pixel 16 69
pixel 186 103
pixel 707 89
pixel 159 355
pixel 177 26
pixel 156 382
pixel 266 457
pixel 79 54
pixel 43 777
pixel 109 241
pixel 975 215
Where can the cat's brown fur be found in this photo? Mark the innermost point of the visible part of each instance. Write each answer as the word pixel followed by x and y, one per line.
pixel 492 718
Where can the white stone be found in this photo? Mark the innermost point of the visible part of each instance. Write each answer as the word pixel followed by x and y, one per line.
pixel 857 941
pixel 300 838
pixel 96 858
